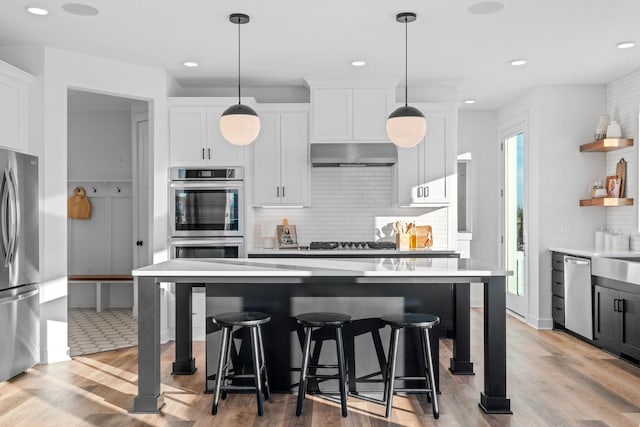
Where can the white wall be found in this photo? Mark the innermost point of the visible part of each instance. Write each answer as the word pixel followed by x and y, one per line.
pixel 623 98
pixel 557 176
pixel 61 70
pixel 478 135
pixel 99 145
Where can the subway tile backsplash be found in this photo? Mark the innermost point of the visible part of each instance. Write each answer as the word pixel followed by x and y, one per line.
pixel 345 203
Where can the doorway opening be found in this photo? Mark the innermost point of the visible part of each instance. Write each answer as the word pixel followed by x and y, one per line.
pixel 514 220
pixel 108 217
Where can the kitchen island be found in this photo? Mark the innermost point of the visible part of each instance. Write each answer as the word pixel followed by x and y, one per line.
pixel 322 277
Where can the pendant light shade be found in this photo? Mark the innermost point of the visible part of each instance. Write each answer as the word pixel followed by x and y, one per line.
pixel 239 124
pixel 406 126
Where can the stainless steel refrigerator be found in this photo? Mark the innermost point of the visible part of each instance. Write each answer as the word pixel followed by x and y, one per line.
pixel 19 299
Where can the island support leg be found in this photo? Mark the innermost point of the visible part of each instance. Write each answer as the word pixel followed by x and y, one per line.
pixel 184 364
pixel 494 398
pixel 149 399
pixel 460 363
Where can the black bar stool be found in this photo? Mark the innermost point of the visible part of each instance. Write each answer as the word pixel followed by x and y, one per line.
pixel 252 320
pixel 411 320
pixel 322 320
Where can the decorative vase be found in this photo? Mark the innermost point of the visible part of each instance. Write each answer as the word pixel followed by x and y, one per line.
pixel 613 130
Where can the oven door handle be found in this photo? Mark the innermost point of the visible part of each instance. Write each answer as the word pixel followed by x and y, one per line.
pixel 195 241
pixel 214 185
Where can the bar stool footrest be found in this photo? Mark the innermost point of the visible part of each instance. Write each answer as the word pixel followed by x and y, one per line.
pixel 412 390
pixel 324 377
pixel 237 387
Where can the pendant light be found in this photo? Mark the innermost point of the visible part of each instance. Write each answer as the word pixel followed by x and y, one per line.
pixel 239 124
pixel 406 126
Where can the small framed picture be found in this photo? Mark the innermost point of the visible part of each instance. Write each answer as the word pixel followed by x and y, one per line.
pixel 287 237
pixel 613 186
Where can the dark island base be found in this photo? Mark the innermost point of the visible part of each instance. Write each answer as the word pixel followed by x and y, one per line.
pixel 366 338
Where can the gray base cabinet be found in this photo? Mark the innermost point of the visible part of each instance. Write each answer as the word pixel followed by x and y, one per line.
pixel 557 290
pixel 616 315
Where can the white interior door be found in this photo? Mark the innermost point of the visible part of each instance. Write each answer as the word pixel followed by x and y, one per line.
pixel 514 217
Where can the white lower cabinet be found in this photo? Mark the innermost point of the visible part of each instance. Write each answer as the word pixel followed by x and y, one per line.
pixel 424 172
pixel 281 159
pixel 194 134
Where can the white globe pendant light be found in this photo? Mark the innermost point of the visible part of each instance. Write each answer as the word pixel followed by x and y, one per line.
pixel 239 124
pixel 406 126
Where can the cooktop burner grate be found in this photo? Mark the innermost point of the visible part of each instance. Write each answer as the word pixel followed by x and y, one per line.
pixel 352 245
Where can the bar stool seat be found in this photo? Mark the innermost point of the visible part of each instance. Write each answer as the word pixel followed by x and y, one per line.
pixel 252 320
pixel 322 320
pixel 424 322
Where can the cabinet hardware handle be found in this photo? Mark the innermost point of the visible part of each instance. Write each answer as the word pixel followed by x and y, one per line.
pixel 278 191
pixel 621 306
pixel 139 243
pixel 209 152
pixel 203 154
pixel 426 191
pixel 419 191
pixel 615 304
pixel 283 191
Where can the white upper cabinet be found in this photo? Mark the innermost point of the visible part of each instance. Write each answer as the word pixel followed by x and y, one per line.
pixel 350 114
pixel 194 134
pixel 281 157
pixel 425 172
pixel 14 112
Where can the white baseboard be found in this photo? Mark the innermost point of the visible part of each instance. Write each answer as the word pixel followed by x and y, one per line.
pixel 543 324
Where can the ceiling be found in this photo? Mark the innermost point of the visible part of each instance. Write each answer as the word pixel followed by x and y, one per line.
pixel 564 42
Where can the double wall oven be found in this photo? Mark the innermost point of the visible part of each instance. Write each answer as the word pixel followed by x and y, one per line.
pixel 206 212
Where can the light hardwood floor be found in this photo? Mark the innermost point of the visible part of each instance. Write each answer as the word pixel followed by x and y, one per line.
pixel 553 379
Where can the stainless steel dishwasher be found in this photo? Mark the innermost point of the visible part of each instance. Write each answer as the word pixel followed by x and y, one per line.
pixel 577 296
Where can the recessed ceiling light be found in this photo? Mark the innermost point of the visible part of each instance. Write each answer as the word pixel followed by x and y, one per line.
pixel 486 7
pixel 37 11
pixel 469 101
pixel 517 62
pixel 358 63
pixel 625 44
pixel 80 9
pixel 190 64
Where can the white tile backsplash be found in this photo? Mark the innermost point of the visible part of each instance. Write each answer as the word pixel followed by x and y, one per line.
pixel 623 98
pixel 344 205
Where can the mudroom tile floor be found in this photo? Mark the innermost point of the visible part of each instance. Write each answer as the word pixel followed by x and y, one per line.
pixel 91 332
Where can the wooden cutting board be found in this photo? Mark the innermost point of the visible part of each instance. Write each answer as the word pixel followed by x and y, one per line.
pixel 424 236
pixel 78 206
pixel 621 172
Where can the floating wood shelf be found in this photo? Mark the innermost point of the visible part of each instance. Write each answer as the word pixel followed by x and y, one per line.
pixel 606 201
pixel 607 144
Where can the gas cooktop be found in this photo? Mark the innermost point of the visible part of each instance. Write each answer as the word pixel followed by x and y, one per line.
pixel 351 245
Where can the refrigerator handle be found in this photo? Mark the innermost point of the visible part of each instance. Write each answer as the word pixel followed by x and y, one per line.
pixel 4 239
pixel 18 297
pixel 15 215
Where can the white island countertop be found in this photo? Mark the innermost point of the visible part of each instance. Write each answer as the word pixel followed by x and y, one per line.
pixel 310 267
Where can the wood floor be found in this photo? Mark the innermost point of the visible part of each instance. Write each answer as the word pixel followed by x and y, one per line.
pixel 553 379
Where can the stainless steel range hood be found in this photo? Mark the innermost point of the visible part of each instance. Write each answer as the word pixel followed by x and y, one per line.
pixel 353 154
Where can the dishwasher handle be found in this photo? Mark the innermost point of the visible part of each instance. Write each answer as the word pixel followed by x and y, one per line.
pixel 576 261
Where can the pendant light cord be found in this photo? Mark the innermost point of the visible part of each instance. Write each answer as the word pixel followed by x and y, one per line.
pixel 238 63
pixel 406 42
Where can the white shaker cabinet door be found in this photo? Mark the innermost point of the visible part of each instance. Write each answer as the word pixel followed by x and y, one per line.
pixel 294 155
pixel 266 161
pixel 435 163
pixel 371 108
pixel 219 151
pixel 187 136
pixel 332 115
